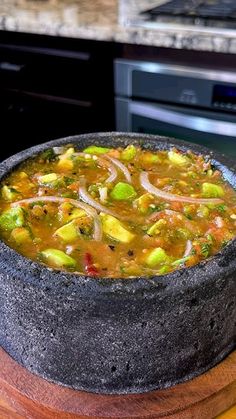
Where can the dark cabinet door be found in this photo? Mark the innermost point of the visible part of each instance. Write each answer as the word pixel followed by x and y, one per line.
pixel 47 70
pixel 52 87
pixel 29 119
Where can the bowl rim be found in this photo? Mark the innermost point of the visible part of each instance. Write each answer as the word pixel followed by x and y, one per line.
pixel 38 274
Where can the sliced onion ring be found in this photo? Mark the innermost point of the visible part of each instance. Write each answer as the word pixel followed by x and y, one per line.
pixel 172 197
pixel 188 248
pixel 86 197
pixel 97 234
pixel 103 163
pixel 121 166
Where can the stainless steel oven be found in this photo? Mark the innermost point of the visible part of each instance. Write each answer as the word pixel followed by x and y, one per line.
pixel 195 104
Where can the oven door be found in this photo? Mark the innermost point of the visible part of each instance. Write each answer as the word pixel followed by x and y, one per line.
pixel 211 129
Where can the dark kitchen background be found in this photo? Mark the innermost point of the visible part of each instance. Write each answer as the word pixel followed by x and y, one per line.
pixel 70 67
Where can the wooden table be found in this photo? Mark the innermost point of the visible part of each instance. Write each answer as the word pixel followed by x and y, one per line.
pixel 229 414
pixel 24 395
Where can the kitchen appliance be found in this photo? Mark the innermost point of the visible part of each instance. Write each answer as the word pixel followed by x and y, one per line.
pixel 195 104
pixel 221 13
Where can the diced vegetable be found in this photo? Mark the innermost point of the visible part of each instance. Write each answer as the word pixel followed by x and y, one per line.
pixel 210 190
pixel 48 179
pixel 76 213
pixel 155 229
pixel 89 266
pixel 143 203
pixel 150 158
pixel 123 191
pixel 23 175
pixel 21 235
pixel 8 193
pixel 181 261
pixel 68 213
pixel 191 174
pixel 93 149
pixel 114 229
pixel 177 158
pixel 156 257
pixel 189 211
pixel 203 211
pixel 182 233
pixel 65 162
pixel 69 152
pixel 67 233
pixel 164 270
pixel 57 258
pixel 12 218
pixel 129 153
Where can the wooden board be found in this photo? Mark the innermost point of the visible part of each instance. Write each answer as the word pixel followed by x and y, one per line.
pixel 25 395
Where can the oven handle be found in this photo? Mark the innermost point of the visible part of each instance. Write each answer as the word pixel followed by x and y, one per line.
pixel 179 119
pixel 11 67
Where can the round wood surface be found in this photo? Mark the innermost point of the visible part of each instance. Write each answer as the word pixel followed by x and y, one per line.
pixel 25 395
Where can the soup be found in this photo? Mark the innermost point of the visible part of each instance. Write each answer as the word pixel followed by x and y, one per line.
pixel 117 212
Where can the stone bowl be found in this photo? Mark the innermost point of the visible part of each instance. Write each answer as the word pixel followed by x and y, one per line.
pixel 118 336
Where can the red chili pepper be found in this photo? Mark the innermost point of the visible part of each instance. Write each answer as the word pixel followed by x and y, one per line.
pixel 89 267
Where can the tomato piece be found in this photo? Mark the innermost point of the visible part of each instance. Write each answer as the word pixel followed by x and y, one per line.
pixel 89 266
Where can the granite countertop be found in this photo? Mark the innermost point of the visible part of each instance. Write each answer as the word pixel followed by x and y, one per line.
pixel 109 20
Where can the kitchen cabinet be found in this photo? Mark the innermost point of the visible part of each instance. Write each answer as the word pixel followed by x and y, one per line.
pixel 51 88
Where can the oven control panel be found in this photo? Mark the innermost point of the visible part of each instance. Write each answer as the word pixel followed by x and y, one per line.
pixel 176 85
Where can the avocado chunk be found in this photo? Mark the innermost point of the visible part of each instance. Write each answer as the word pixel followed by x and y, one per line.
pixel 155 229
pixel 143 203
pixel 156 257
pixel 93 149
pixel 203 211
pixel 177 158
pixel 67 233
pixel 48 179
pixel 21 235
pixel 114 229
pixel 76 213
pixel 68 213
pixel 123 191
pixel 23 175
pixel 210 190
pixel 58 258
pixel 65 163
pixel 12 218
pixel 129 153
pixel 150 158
pixel 8 193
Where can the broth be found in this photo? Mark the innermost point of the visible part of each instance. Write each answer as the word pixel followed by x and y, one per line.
pixel 117 212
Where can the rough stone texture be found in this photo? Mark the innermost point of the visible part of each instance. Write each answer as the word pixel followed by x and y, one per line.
pixel 111 20
pixel 114 335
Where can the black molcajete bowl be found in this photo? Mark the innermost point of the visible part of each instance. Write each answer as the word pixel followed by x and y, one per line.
pixel 117 335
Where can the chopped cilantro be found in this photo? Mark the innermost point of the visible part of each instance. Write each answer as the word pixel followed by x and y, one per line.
pixel 205 249
pixel 221 208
